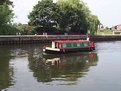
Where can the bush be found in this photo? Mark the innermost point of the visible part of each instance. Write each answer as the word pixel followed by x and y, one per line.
pixel 8 30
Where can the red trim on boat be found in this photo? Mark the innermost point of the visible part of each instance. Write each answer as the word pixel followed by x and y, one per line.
pixel 61 41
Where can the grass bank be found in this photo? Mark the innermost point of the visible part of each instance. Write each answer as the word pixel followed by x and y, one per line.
pixel 105 32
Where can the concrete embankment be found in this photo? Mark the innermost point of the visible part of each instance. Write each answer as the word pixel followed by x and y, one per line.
pixel 27 39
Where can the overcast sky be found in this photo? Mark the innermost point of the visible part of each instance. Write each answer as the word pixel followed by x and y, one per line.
pixel 108 11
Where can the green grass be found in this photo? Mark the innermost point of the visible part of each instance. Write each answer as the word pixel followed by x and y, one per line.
pixel 105 32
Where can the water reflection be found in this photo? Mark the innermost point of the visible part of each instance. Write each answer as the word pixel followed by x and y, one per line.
pixel 63 67
pixel 8 55
pixel 6 70
pixel 45 69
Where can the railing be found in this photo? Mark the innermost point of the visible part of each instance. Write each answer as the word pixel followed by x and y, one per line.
pixel 25 39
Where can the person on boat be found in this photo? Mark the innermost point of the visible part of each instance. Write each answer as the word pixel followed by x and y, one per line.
pixel 87 38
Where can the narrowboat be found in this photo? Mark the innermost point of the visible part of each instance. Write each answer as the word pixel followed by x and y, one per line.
pixel 69 46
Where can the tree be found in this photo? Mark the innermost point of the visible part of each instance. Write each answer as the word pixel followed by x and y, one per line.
pixel 5 1
pixel 64 16
pixel 43 15
pixel 2 1
pixel 93 24
pixel 6 16
pixel 74 15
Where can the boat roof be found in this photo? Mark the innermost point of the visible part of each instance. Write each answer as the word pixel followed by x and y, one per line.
pixel 64 41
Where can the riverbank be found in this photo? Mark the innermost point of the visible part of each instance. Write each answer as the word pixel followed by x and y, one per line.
pixel 25 39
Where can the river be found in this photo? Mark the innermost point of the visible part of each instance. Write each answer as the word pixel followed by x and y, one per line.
pixel 23 68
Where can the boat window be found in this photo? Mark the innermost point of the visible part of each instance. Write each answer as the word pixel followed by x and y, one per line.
pixel 81 44
pixel 86 44
pixel 78 44
pixel 63 45
pixel 74 44
pixel 68 45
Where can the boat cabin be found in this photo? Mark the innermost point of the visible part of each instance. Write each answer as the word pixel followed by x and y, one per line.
pixel 65 44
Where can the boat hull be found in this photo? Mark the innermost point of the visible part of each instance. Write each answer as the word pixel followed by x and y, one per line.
pixel 65 51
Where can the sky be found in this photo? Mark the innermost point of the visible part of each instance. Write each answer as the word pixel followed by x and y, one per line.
pixel 108 11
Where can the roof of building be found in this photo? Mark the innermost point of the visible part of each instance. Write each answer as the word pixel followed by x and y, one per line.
pixel 118 25
pixel 61 41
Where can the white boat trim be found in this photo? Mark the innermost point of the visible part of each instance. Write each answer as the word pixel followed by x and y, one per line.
pixel 53 49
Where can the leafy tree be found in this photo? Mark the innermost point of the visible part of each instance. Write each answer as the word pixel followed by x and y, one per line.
pixel 73 16
pixel 3 1
pixel 42 15
pixel 6 16
pixel 64 15
pixel 93 24
pixel 8 30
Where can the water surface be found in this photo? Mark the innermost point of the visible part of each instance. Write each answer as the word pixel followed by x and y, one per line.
pixel 23 68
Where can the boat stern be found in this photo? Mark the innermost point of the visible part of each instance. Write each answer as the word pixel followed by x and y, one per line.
pixel 92 46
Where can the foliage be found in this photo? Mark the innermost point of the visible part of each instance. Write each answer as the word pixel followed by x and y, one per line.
pixel 24 29
pixel 64 16
pixel 74 15
pixel 2 1
pixel 8 30
pixel 5 1
pixel 42 15
pixel 6 16
pixel 93 24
